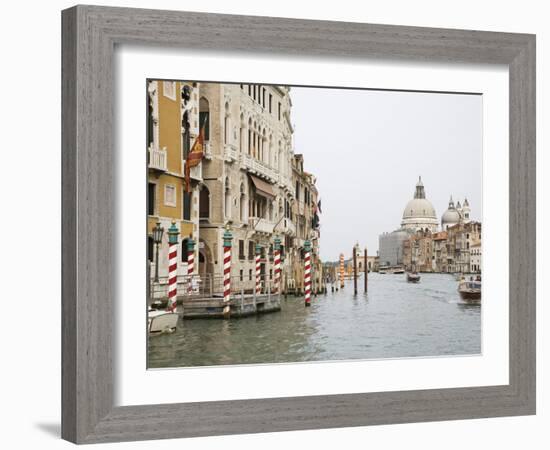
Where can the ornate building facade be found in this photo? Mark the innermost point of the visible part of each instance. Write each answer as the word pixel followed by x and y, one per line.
pixel 246 182
pixel 171 127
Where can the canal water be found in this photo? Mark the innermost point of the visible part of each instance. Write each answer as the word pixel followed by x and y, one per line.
pixel 395 319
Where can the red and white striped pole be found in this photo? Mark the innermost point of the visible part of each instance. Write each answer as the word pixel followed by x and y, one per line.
pixel 227 238
pixel 258 270
pixel 172 267
pixel 190 264
pixel 277 263
pixel 341 271
pixel 307 273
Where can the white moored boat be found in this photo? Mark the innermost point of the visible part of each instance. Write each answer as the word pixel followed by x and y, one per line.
pixel 162 321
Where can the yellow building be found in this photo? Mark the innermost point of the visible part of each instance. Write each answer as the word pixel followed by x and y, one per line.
pixel 172 126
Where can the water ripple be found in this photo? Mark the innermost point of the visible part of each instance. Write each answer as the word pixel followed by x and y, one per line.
pixel 395 319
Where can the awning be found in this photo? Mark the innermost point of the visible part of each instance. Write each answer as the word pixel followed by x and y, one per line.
pixel 263 188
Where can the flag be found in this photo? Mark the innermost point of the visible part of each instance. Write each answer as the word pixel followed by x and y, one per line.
pixel 194 157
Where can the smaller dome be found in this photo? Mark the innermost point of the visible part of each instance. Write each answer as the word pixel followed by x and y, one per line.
pixel 451 216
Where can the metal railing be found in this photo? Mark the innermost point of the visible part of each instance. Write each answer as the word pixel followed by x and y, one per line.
pixel 261 225
pixel 258 167
pixel 286 226
pixel 210 285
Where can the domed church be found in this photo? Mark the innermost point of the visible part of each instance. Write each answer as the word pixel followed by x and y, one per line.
pixel 455 214
pixel 450 217
pixel 419 214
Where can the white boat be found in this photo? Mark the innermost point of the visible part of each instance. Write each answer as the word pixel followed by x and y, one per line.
pixel 160 321
pixel 470 290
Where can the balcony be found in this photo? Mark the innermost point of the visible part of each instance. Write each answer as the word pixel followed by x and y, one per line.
pixel 261 225
pixel 286 226
pixel 230 153
pixel 259 168
pixel 157 159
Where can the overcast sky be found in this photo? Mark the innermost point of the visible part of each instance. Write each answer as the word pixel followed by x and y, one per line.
pixel 367 149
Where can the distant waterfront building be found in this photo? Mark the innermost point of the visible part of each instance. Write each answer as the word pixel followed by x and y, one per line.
pixel 461 238
pixel 417 251
pixel 418 245
pixel 475 258
pixel 439 252
pixel 390 247
pixel 370 264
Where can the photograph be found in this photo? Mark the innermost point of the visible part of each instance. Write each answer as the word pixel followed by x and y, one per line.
pixel 297 223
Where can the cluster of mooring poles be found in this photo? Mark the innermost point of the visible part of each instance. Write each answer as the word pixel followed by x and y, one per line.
pixel 227 244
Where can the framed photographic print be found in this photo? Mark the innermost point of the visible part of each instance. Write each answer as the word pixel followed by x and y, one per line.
pixel 264 229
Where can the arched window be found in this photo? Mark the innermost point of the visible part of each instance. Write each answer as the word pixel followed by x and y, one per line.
pixel 204 117
pixel 241 134
pixel 281 159
pixel 227 125
pixel 204 203
pixel 250 137
pixel 271 158
pixel 242 205
pixel 255 141
pixel 184 250
pixel 150 248
pixel 265 154
pixel 227 199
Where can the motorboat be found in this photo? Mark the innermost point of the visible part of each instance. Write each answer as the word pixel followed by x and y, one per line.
pixel 470 290
pixel 413 277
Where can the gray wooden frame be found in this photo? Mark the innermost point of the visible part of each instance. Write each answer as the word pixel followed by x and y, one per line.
pixel 89 36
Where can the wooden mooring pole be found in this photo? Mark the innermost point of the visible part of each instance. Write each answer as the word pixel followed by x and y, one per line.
pixel 366 265
pixel 354 271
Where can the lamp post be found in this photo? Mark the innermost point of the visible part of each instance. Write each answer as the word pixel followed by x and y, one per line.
pixel 157 239
pixel 172 266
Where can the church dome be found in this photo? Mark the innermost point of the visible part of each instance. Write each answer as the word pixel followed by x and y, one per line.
pixel 419 207
pixel 419 212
